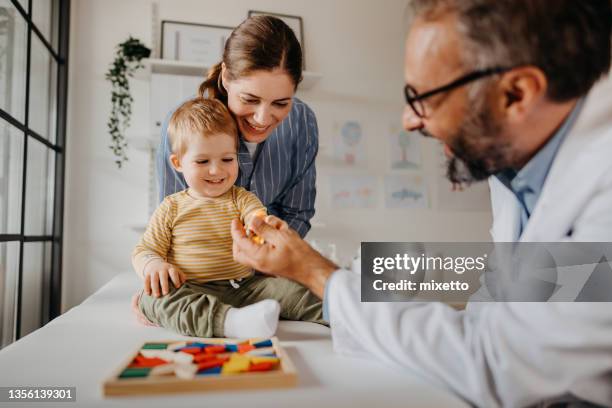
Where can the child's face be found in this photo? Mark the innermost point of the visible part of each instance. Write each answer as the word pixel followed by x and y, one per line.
pixel 209 165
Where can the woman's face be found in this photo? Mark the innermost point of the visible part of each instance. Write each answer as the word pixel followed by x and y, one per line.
pixel 259 102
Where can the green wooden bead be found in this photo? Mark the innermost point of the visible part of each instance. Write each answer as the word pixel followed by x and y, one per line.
pixel 155 346
pixel 135 372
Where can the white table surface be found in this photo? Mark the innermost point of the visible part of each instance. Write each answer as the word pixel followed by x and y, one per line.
pixel 88 343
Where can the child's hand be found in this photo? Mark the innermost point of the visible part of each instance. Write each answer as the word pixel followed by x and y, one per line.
pixel 157 275
pixel 261 214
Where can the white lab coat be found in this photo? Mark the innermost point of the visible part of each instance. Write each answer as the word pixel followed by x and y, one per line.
pixel 508 354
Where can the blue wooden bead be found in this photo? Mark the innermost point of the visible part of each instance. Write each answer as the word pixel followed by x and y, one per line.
pixel 211 371
pixel 265 343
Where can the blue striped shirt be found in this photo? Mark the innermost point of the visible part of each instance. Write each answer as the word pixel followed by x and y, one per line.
pixel 282 175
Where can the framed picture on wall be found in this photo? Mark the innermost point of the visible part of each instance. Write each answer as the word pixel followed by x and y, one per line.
pixel 294 22
pixel 193 42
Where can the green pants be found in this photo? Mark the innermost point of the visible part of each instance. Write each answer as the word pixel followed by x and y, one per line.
pixel 198 309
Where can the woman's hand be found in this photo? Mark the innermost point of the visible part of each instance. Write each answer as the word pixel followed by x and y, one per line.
pixel 158 275
pixel 284 253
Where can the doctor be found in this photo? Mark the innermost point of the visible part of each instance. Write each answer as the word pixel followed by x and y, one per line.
pixel 513 89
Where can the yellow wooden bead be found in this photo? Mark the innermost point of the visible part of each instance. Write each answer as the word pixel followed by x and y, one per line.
pixel 236 364
pixel 257 239
pixel 264 359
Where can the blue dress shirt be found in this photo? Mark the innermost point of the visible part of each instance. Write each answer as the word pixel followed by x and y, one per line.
pixel 527 183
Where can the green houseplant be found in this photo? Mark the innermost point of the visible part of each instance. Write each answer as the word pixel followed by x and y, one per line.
pixel 128 57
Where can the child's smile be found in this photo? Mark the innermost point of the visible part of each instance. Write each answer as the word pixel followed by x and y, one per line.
pixel 209 165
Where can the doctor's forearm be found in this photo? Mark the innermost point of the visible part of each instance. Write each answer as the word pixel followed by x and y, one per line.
pixel 313 271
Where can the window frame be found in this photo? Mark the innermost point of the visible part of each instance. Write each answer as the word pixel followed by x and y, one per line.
pixel 51 277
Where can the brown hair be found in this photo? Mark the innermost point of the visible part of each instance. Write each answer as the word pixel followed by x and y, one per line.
pixel 199 116
pixel 258 43
pixel 570 40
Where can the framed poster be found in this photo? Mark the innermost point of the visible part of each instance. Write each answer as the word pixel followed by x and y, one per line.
pixel 193 42
pixel 294 22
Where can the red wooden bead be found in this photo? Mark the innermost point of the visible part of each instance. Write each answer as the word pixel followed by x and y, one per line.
pixel 243 348
pixel 191 350
pixel 143 362
pixel 214 349
pixel 198 358
pixel 211 363
pixel 266 366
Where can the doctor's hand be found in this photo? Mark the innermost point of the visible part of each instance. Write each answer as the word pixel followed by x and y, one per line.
pixel 284 253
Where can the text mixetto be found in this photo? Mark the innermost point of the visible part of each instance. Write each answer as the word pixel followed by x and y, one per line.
pixel 406 285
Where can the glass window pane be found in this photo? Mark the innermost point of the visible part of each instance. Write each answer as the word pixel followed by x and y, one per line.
pixel 43 83
pixel 13 51
pixel 39 189
pixel 9 270
pixel 45 18
pixel 11 172
pixel 36 267
pixel 23 3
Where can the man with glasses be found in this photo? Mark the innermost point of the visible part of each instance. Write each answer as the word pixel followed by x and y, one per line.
pixel 513 90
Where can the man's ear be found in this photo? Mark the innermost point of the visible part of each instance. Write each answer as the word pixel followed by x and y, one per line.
pixel 176 162
pixel 521 88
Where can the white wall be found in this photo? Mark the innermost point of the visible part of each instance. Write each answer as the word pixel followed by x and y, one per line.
pixel 358 48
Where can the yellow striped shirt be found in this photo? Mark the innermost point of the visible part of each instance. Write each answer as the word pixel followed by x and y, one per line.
pixel 194 234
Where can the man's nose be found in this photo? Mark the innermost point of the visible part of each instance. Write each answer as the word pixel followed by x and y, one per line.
pixel 410 120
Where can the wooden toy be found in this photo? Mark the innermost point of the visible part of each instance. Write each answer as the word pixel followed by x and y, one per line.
pixel 202 365
pixel 258 343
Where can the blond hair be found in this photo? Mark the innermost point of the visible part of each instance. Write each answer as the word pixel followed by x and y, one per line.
pixel 201 117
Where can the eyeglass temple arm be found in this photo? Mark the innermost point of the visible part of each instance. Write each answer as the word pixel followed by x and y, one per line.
pixel 462 81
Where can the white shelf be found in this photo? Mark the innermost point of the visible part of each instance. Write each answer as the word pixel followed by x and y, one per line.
pixel 172 67
pixel 169 67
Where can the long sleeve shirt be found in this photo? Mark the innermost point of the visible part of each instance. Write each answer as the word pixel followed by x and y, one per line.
pixel 194 234
pixel 282 174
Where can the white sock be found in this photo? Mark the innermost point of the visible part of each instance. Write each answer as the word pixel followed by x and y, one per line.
pixel 257 320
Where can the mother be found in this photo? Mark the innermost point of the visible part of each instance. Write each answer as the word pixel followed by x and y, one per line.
pixel 257 80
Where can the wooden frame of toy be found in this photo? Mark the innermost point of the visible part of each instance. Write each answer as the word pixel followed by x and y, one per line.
pixel 199 364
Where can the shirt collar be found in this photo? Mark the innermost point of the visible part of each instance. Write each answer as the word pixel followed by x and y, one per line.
pixel 532 176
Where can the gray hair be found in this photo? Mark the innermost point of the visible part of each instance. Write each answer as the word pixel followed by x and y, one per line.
pixel 569 40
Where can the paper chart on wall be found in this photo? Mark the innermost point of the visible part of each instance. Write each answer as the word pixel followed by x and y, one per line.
pixel 349 144
pixel 404 149
pixel 406 191
pixel 350 191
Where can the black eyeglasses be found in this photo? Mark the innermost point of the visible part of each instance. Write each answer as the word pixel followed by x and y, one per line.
pixel 416 101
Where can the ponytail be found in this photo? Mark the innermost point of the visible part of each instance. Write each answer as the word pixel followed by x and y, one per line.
pixel 212 88
pixel 258 43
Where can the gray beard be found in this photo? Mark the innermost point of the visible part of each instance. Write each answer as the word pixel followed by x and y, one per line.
pixel 478 149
